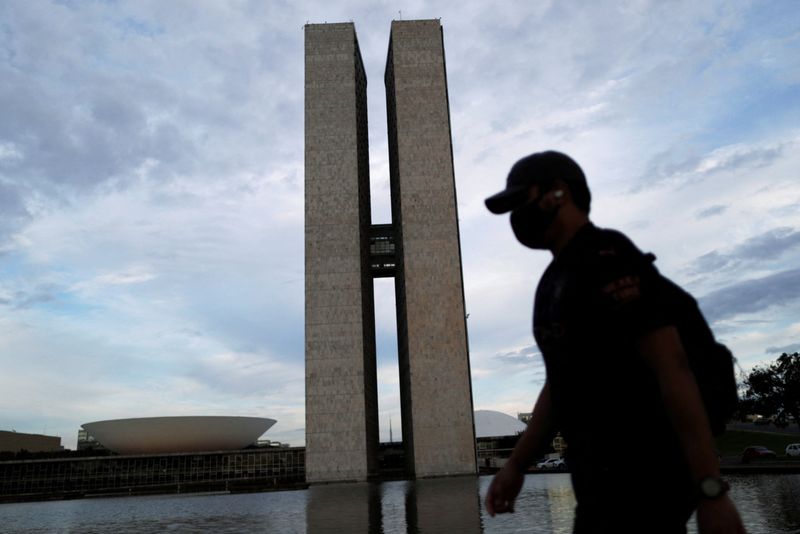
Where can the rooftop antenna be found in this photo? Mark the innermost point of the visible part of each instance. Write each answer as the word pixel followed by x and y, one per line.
pixel 400 13
pixel 391 440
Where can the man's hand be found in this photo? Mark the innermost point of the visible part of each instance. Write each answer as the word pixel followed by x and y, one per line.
pixel 504 489
pixel 506 484
pixel 718 516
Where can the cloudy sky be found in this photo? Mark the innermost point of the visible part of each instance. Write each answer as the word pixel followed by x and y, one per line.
pixel 151 187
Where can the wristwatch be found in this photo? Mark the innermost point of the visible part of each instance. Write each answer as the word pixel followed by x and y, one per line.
pixel 713 487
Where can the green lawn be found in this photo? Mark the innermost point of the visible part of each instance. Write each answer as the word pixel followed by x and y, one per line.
pixel 733 442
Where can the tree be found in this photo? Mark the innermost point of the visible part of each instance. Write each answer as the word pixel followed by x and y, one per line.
pixel 775 389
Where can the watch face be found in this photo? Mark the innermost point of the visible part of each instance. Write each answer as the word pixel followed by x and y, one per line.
pixel 711 487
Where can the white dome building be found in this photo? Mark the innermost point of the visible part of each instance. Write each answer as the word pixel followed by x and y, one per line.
pixel 158 435
pixel 490 424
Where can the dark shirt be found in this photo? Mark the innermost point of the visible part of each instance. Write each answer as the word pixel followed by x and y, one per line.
pixel 593 303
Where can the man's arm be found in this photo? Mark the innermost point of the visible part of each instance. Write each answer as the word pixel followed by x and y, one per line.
pixel 663 352
pixel 507 482
pixel 537 435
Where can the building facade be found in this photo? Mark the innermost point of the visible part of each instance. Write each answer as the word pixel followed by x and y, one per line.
pixel 11 441
pixel 344 252
pixel 73 477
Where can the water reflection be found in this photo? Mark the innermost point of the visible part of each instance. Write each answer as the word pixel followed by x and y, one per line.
pixel 769 504
pixel 443 505
pixel 435 505
pixel 352 508
pixel 545 504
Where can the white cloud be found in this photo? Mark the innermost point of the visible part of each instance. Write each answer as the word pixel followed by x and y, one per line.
pixel 151 184
pixel 10 152
pixel 125 277
pixel 389 375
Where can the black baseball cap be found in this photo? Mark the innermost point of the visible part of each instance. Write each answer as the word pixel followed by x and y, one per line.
pixel 541 168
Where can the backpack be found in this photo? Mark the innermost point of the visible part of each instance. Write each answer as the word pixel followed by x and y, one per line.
pixel 711 362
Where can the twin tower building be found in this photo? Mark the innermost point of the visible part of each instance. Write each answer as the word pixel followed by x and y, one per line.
pixel 344 251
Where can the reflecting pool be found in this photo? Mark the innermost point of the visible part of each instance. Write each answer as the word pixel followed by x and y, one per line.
pixel 770 504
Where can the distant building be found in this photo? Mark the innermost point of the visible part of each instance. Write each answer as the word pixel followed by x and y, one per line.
pixel 174 434
pixel 75 476
pixel 261 443
pixel 559 444
pixel 524 417
pixel 496 435
pixel 11 441
pixel 87 442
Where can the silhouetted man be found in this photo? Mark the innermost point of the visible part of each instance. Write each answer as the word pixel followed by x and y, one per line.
pixel 618 387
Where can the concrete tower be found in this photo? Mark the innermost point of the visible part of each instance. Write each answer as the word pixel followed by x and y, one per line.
pixel 435 387
pixel 344 252
pixel 341 384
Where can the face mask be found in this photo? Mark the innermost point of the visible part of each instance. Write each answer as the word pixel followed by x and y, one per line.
pixel 529 223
